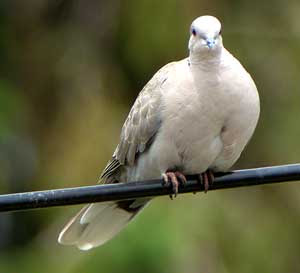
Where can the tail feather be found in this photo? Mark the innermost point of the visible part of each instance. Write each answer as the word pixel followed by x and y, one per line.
pixel 97 223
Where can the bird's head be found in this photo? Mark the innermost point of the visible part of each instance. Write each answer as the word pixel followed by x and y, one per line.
pixel 205 36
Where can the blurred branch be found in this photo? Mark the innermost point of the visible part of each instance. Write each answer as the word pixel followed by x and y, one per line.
pixel 150 188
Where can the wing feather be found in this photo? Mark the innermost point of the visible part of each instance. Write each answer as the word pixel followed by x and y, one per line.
pixel 140 127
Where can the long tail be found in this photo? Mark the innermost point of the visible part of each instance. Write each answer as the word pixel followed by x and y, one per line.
pixel 97 223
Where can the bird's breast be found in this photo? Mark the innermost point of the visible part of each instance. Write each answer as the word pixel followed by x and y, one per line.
pixel 194 115
pixel 192 126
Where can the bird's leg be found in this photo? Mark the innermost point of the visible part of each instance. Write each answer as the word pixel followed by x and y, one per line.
pixel 172 177
pixel 182 178
pixel 207 179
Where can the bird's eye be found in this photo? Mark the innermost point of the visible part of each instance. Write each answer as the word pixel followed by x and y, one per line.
pixel 194 32
pixel 220 32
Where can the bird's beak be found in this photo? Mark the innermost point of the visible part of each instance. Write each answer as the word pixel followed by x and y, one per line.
pixel 210 42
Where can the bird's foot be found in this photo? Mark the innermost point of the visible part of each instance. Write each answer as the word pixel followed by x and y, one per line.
pixel 172 178
pixel 207 179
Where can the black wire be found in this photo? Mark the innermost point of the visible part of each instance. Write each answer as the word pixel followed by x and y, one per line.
pixel 150 188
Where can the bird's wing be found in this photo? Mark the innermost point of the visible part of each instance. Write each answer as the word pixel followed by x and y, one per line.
pixel 140 126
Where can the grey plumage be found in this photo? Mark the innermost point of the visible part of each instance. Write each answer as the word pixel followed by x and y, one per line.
pixel 140 126
pixel 193 115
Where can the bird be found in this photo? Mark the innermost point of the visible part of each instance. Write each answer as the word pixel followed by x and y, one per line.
pixel 195 115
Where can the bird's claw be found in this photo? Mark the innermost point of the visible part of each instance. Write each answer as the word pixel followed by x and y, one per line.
pixel 172 178
pixel 207 179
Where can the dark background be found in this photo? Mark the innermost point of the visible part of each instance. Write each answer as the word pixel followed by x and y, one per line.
pixel 69 72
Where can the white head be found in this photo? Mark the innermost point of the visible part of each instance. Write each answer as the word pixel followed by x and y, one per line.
pixel 205 36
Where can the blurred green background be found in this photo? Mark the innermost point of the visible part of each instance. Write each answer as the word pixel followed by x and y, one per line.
pixel 69 72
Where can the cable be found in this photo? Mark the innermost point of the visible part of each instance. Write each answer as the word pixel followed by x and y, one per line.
pixel 150 188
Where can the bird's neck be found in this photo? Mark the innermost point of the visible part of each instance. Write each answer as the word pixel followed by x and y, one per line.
pixel 206 60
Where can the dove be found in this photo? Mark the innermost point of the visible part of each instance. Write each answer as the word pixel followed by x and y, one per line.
pixel 194 116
